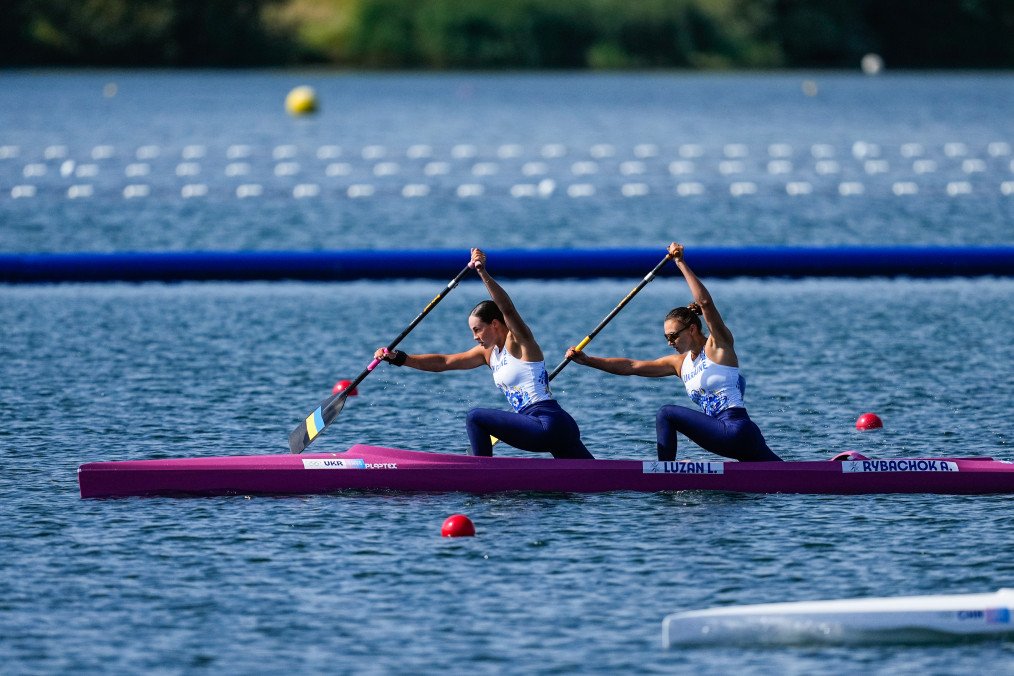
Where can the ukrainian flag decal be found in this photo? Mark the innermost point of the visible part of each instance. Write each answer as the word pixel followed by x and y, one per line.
pixel 314 424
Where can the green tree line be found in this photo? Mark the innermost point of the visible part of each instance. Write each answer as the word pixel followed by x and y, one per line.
pixel 509 34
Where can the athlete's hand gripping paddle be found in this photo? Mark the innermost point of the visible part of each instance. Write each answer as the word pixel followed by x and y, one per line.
pixel 608 318
pixel 324 415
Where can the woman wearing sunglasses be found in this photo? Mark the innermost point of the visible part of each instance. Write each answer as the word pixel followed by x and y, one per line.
pixel 709 368
pixel 506 345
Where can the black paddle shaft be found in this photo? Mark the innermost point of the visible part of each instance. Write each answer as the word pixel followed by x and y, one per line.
pixel 616 310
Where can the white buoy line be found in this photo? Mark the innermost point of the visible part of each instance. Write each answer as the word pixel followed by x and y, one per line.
pixel 545 189
pixel 195 151
pixel 475 171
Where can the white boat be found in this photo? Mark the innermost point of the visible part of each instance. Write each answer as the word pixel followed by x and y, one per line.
pixel 902 619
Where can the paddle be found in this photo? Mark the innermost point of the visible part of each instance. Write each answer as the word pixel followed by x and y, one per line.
pixel 609 317
pixel 324 415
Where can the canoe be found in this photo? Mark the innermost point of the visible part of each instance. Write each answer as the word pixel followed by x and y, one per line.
pixel 901 619
pixel 373 468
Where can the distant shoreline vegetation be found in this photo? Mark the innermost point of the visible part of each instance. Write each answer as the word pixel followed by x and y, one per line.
pixel 509 34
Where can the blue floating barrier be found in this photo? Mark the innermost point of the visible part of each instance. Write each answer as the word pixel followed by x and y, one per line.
pixel 786 262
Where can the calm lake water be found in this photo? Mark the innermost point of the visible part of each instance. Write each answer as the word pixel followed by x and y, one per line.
pixel 356 583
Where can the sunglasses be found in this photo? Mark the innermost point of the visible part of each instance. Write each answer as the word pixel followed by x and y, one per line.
pixel 671 337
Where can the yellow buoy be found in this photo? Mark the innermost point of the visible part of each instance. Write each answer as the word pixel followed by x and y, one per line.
pixel 301 101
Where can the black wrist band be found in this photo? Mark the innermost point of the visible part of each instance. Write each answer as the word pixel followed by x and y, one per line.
pixel 396 357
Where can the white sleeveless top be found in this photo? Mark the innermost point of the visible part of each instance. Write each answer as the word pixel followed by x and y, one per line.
pixel 522 382
pixel 712 386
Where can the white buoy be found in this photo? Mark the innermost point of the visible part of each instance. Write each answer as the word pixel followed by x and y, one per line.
pixel 437 169
pixel 632 168
pixel 876 166
pixel 735 150
pixel 485 169
pixel 681 167
pixel 850 188
pixel 188 169
pixel 690 188
pixel 338 169
pixel 415 190
pixel 552 150
pixel 470 190
pixel 902 619
pixel 780 150
pixel 822 151
pixel 136 190
pixel 973 166
pixel 634 189
pixel 534 168
pixel 998 149
pixel 955 188
pixel 328 152
pixel 872 64
pixel 360 190
pixel 727 167
pixel 905 188
pixel 689 151
pixel 419 151
pixel 509 150
pixel 249 190
pixel 584 168
pixel 304 190
pixel 740 188
pixel 237 169
pixel 580 190
pixel 825 167
pixel 103 152
pixel 645 150
pixel 55 152
pixel 912 150
pixel 386 169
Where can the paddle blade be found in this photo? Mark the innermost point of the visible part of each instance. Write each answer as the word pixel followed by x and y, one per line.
pixel 314 424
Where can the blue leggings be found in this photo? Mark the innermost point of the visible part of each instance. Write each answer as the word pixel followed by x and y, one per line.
pixel 731 433
pixel 542 427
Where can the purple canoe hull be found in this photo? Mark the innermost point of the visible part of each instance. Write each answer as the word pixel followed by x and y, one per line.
pixel 372 468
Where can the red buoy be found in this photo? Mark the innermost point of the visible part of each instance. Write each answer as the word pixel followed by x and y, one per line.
pixel 869 421
pixel 456 526
pixel 342 385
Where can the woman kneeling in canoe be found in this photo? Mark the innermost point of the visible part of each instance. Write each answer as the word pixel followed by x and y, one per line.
pixel 710 371
pixel 507 346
